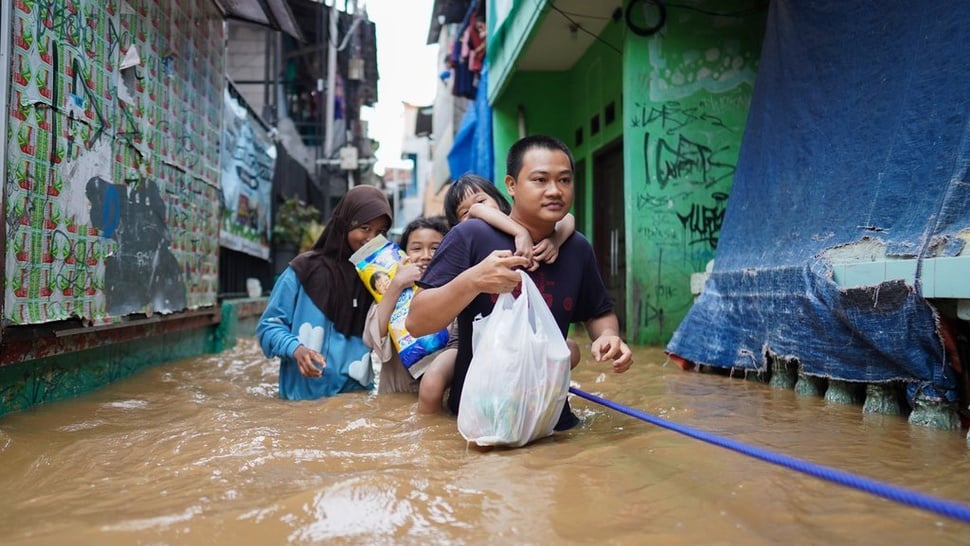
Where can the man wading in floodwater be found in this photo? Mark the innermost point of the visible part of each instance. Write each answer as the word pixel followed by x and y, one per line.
pixel 475 262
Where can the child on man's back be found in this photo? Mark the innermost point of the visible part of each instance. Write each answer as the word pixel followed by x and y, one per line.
pixel 472 196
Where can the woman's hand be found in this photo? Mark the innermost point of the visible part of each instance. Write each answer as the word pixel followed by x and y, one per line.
pixel 310 362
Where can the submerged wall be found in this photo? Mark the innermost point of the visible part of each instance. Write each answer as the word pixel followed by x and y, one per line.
pixel 75 362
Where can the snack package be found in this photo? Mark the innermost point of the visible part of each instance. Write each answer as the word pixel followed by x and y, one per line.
pixel 376 263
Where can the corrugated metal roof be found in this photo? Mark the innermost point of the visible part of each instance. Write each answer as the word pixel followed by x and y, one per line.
pixel 274 14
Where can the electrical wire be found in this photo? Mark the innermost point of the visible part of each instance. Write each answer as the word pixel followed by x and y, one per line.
pixel 584 16
pixel 737 13
pixel 578 26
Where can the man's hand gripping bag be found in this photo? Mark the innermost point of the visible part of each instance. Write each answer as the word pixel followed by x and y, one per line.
pixel 518 378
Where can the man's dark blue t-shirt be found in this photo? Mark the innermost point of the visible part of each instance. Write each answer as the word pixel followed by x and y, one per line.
pixel 572 287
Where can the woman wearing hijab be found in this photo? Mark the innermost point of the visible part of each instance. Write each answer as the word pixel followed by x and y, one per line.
pixel 315 316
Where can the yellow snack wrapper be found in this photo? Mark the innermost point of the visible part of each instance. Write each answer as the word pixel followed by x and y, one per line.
pixel 376 264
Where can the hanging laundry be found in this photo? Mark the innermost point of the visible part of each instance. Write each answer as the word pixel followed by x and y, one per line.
pixel 464 83
pixel 476 43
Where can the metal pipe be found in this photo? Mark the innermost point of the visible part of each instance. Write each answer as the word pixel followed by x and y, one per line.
pixel 6 42
pixel 267 59
pixel 322 179
pixel 331 79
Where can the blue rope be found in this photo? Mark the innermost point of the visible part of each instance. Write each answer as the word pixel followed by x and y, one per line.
pixel 943 507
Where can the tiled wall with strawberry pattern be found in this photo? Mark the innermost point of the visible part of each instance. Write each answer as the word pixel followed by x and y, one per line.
pixel 111 191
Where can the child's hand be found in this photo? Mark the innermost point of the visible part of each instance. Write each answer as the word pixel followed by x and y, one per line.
pixel 523 247
pixel 545 251
pixel 406 275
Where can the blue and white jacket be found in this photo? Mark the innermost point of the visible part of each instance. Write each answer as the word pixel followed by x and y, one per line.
pixel 291 318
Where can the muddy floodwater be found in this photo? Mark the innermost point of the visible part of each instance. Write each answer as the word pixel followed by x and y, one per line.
pixel 201 451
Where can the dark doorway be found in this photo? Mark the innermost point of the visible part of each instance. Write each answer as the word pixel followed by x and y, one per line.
pixel 609 231
pixel 580 195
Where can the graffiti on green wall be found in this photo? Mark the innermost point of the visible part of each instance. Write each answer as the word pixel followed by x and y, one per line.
pixel 712 66
pixel 111 189
pixel 685 118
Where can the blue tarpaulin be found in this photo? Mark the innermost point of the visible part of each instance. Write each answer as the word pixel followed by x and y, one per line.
pixel 472 149
pixel 858 133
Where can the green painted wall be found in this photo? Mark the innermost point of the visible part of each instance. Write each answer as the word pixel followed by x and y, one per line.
pixel 595 82
pixel 686 92
pixel 561 103
pixel 509 28
pixel 543 107
pixel 681 101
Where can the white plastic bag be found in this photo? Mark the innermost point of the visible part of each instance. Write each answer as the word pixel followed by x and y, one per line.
pixel 518 378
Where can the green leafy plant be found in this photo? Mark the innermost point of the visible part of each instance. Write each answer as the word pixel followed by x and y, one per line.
pixel 293 217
